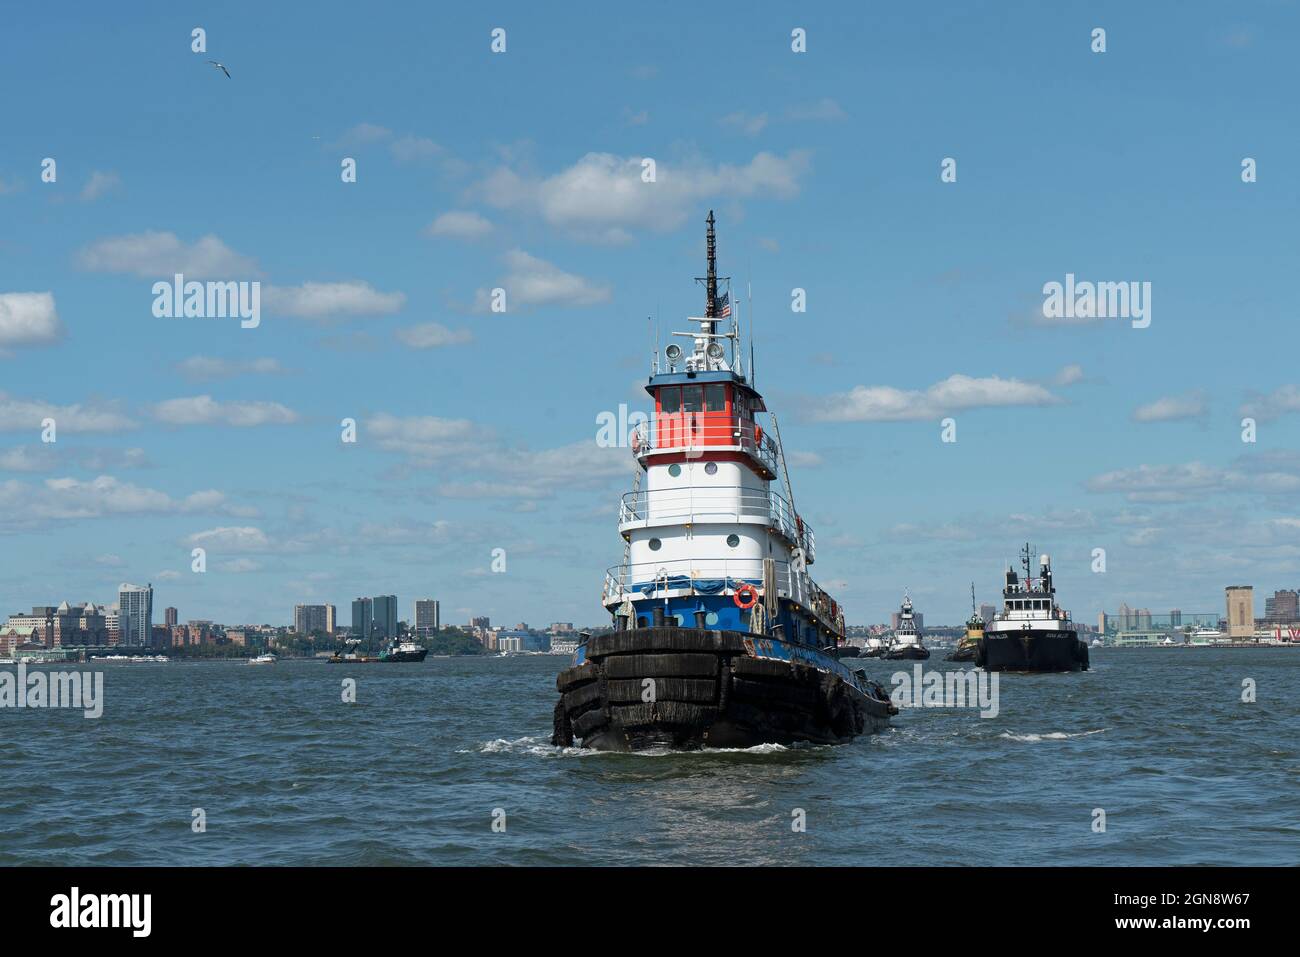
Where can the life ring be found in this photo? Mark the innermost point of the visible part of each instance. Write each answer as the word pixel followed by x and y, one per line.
pixel 758 436
pixel 750 592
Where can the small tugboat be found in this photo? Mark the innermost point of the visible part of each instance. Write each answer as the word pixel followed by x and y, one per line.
pixel 721 638
pixel 1031 633
pixel 968 646
pixel 350 657
pixel 404 651
pixel 906 644
pixel 264 659
pixel 874 648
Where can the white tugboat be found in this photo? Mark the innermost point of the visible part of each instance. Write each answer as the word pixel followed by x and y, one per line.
pixel 906 644
pixel 1031 633
pixel 721 637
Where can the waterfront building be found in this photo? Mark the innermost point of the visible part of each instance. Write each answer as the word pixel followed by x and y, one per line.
pixel 428 616
pixel 309 618
pixel 385 607
pixel 363 616
pixel 170 617
pixel 136 609
pixel 113 625
pixel 987 612
pixel 1241 612
pixel 1176 618
pixel 1283 607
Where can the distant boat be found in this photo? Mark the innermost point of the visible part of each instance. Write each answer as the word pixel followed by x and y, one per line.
pixel 968 647
pixel 1032 632
pixel 406 651
pixel 906 644
pixel 266 659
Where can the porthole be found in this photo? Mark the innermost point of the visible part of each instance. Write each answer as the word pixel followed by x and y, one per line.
pixel 674 470
pixel 733 541
pixel 711 468
pixel 711 618
pixel 655 544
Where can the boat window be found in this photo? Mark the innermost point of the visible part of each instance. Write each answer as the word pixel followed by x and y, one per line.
pixel 692 398
pixel 711 468
pixel 715 398
pixel 733 541
pixel 655 544
pixel 674 470
pixel 670 399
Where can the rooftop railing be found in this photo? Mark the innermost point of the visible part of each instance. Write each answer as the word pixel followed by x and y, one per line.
pixel 701 504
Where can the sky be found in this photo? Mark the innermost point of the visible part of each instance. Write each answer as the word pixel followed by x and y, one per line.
pixel 523 170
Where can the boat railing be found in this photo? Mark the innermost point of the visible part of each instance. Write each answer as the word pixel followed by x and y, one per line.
pixel 718 503
pixel 704 576
pixel 694 433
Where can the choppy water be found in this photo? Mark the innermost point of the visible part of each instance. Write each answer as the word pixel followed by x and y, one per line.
pixel 411 774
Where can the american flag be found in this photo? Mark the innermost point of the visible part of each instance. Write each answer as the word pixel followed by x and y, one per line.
pixel 722 307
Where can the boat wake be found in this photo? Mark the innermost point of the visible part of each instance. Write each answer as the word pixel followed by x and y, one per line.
pixel 538 746
pixel 1050 736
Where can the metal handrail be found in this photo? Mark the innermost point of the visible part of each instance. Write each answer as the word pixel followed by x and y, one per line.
pixel 620 579
pixel 694 504
pixel 698 431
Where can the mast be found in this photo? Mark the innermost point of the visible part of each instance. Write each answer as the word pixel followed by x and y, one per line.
pixel 1026 561
pixel 711 279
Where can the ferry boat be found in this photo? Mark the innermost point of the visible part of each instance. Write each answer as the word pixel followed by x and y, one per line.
pixel 720 636
pixel 969 643
pixel 404 651
pixel 1031 633
pixel 906 644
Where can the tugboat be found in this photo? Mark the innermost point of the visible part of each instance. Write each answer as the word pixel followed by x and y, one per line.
pixel 968 646
pixel 906 644
pixel 1031 633
pixel 404 651
pixel 721 638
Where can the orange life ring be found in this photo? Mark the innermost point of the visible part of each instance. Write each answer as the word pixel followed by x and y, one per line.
pixel 758 435
pixel 749 591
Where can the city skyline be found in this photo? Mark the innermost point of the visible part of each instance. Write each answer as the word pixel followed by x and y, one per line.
pixel 477 462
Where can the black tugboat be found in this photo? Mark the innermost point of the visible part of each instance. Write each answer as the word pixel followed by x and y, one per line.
pixel 1031 633
pixel 721 637
pixel 906 643
pixel 968 647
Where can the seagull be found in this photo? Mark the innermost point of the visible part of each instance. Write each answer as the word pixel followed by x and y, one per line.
pixel 220 66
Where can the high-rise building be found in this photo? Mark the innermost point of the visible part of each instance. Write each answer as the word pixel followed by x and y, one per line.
pixel 170 617
pixel 385 607
pixel 309 618
pixel 1283 608
pixel 428 617
pixel 1176 618
pixel 987 612
pixel 363 616
pixel 135 606
pixel 1241 612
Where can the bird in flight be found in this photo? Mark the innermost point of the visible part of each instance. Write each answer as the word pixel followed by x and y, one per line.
pixel 220 66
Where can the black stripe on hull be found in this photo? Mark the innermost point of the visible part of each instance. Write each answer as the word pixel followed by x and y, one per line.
pixel 1032 651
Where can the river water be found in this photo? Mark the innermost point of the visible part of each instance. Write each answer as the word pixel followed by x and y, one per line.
pixel 448 762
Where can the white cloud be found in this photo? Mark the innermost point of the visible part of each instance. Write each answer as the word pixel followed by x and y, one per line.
pixel 239 566
pixel 99 184
pixel 824 109
pixel 535 282
pixel 460 224
pixel 954 394
pixel 1069 375
pixel 68 499
pixel 1184 481
pixel 1280 401
pixel 205 410
pixel 433 335
pixel 412 149
pixel 159 255
pixel 28 319
pixel 20 415
pixel 426 438
pixel 47 457
pixel 602 196
pixel 231 538
pixel 748 123
pixel 327 300
pixel 364 133
pixel 211 367
pixel 1172 408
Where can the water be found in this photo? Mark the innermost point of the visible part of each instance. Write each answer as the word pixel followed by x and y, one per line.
pixel 411 774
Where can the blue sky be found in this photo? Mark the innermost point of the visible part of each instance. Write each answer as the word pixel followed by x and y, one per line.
pixel 478 430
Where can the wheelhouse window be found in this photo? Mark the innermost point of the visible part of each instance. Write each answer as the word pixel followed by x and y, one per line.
pixel 693 398
pixel 670 400
pixel 715 398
